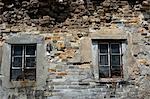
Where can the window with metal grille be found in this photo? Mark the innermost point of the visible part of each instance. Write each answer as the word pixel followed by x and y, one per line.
pixel 110 60
pixel 23 62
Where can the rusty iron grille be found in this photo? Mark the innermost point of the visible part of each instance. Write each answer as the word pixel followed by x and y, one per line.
pixel 23 62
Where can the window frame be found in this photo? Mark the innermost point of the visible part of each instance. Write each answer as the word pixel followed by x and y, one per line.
pixel 109 43
pixel 23 65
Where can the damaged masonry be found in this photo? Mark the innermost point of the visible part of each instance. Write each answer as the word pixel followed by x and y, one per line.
pixel 74 49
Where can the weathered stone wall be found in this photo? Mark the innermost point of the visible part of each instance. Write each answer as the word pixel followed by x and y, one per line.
pixel 68 28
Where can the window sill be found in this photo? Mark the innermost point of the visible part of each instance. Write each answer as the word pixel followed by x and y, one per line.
pixel 22 83
pixel 110 80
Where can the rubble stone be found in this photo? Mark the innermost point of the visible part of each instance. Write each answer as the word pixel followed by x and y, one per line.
pixel 66 59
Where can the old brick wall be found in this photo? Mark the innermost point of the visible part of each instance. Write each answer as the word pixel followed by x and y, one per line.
pixel 68 27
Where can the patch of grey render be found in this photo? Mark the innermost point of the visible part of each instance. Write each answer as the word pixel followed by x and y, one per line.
pixel 125 49
pixel 40 68
pixel 24 39
pixel 1 52
pixel 95 59
pixel 124 58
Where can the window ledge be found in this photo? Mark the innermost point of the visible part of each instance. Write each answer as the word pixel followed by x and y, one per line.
pixel 110 80
pixel 22 83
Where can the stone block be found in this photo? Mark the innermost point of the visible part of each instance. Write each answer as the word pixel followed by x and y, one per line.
pixel 48 94
pixel 75 45
pixel 86 49
pixel 51 70
pixel 85 18
pixel 56 38
pixel 48 38
pixel 7 30
pixel 61 73
pixel 1 52
pixel 15 29
pixel 85 66
pixel 60 45
pixel 143 61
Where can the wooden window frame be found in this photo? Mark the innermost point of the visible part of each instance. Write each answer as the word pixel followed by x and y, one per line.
pixel 109 58
pixel 23 66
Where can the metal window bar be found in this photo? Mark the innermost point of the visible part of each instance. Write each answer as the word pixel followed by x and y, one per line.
pixel 120 58
pixel 30 56
pixel 23 56
pixel 109 58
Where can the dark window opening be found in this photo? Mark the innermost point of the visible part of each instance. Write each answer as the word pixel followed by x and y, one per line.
pixel 23 62
pixel 110 59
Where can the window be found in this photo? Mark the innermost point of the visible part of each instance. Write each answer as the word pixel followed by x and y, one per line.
pixel 110 59
pixel 23 62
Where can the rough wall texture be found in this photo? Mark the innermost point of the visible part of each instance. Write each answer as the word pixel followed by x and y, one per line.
pixel 68 27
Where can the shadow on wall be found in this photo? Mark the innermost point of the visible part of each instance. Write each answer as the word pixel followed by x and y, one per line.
pixel 36 9
pixel 52 12
pixel 144 6
pixel 113 5
pixel 132 3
